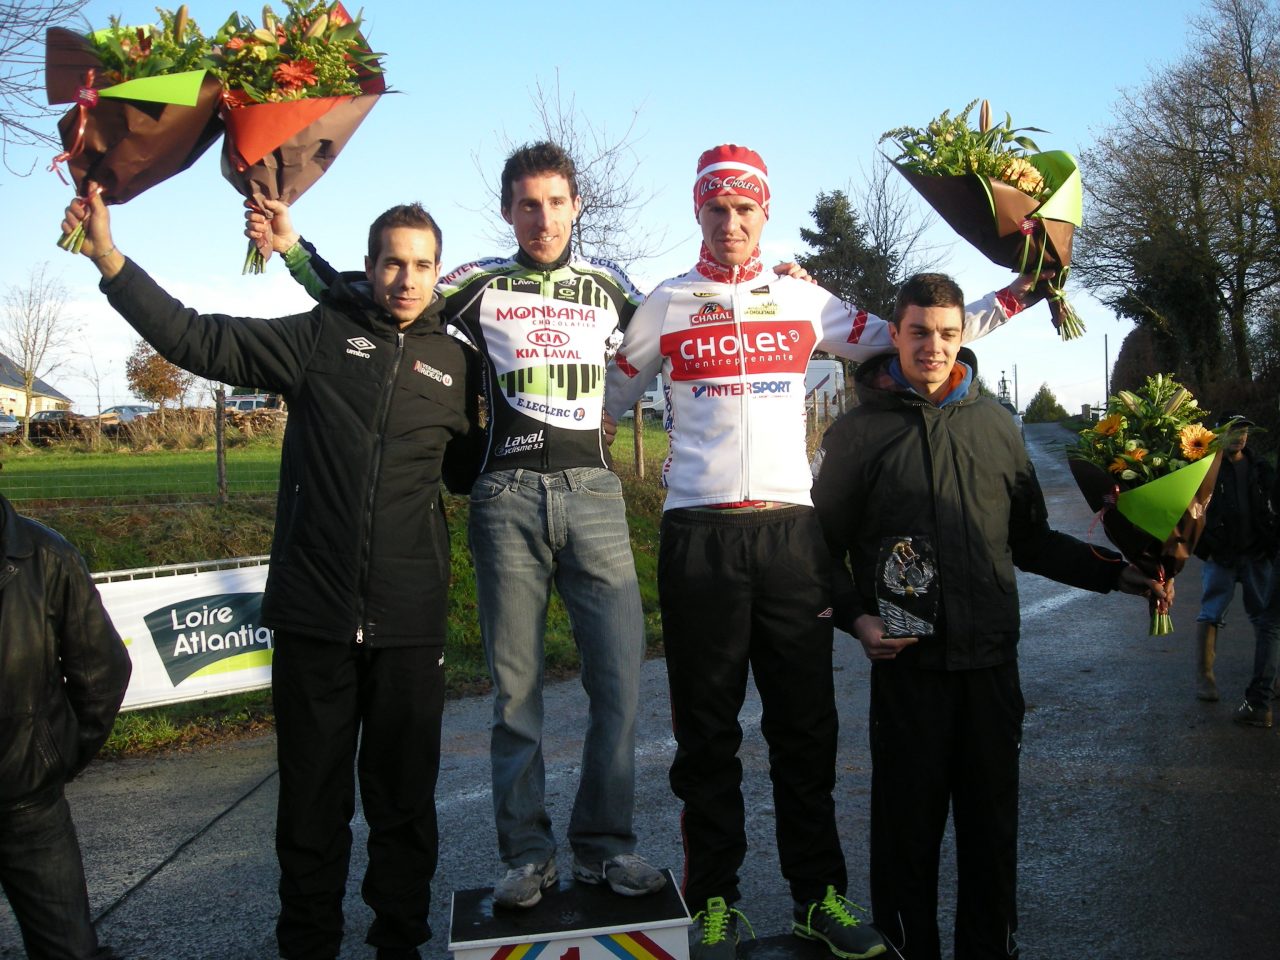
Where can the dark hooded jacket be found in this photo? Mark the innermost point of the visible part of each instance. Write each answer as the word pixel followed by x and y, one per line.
pixel 959 475
pixel 1230 532
pixel 378 416
pixel 63 668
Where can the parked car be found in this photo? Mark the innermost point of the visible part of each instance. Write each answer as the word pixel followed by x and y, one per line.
pixel 126 412
pixel 9 425
pixel 248 402
pixel 47 425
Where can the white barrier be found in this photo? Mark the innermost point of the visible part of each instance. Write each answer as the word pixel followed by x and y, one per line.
pixel 193 630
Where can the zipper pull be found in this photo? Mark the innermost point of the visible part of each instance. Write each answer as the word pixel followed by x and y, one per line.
pixel 359 635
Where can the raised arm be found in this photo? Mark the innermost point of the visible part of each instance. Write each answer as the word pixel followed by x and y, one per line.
pixel 238 350
pixel 269 224
pixel 856 334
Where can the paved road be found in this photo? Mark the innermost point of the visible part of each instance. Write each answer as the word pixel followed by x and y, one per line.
pixel 1150 824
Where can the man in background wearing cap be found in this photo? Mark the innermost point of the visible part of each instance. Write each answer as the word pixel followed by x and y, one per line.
pixel 743 571
pixel 1237 546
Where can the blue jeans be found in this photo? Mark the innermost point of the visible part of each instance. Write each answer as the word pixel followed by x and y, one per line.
pixel 1218 582
pixel 43 876
pixel 1262 606
pixel 529 530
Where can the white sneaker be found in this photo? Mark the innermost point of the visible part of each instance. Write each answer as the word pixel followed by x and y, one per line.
pixel 627 874
pixel 522 886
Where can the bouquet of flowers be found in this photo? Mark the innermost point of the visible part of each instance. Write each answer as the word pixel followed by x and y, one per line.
pixel 145 105
pixel 1148 468
pixel 295 90
pixel 1019 206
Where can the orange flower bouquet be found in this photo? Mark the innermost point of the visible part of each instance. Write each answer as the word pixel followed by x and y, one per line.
pixel 1148 468
pixel 295 91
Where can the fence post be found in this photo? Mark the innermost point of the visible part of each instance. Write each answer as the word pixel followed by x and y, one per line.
pixel 220 439
pixel 637 432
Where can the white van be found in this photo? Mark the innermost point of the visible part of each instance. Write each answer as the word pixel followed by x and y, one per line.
pixel 652 404
pixel 824 387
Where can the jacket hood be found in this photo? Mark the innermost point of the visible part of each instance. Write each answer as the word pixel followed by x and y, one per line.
pixel 875 385
pixel 353 288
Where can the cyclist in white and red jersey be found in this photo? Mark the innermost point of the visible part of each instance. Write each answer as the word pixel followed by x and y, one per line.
pixel 743 571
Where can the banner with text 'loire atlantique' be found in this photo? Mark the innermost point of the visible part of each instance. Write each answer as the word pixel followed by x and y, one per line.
pixel 193 635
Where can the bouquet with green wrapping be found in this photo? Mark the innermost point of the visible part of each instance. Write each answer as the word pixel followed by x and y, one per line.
pixel 1018 205
pixel 1148 469
pixel 145 106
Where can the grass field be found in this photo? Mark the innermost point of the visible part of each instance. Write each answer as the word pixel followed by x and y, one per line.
pixel 49 473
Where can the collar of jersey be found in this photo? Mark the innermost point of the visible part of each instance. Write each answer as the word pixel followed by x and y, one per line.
pixel 713 269
pixel 529 263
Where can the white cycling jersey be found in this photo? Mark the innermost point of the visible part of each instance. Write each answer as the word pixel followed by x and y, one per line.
pixel 732 354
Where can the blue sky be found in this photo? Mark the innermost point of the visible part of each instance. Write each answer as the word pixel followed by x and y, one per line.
pixel 810 87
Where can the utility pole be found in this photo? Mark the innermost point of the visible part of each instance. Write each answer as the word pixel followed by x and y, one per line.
pixel 1106 369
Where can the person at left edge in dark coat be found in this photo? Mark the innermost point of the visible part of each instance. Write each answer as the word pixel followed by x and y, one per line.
pixel 63 675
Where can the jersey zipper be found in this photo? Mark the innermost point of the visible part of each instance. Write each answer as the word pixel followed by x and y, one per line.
pixel 744 419
pixel 546 288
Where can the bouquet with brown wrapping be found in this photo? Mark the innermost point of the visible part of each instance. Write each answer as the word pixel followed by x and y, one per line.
pixel 295 91
pixel 145 104
pixel 1017 205
pixel 1148 469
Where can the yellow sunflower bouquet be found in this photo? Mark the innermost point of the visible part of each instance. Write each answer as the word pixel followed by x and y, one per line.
pixel 1148 468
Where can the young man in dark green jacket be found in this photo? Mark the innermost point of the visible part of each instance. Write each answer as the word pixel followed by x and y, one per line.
pixel 926 490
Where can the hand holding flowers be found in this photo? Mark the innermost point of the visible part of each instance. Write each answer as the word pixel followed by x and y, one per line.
pixel 295 90
pixel 1148 468
pixel 144 105
pixel 1019 206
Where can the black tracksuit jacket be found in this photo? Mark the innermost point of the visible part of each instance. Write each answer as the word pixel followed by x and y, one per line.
pixel 378 416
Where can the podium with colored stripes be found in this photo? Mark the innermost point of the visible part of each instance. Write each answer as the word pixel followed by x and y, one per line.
pixel 574 921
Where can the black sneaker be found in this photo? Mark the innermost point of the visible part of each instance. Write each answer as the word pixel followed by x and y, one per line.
pixel 1247 715
pixel 832 921
pixel 714 935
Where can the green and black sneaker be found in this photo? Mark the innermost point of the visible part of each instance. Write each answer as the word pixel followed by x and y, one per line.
pixel 832 921
pixel 714 935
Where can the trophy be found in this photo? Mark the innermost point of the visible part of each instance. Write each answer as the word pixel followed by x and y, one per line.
pixel 907 586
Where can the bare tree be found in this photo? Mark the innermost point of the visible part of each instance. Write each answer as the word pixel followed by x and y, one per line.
pixel 35 330
pixel 865 242
pixel 23 110
pixel 894 220
pixel 1184 194
pixel 612 199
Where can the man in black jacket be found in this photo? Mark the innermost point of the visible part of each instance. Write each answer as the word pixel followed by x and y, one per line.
pixel 927 489
pixel 63 674
pixel 382 407
pixel 1238 546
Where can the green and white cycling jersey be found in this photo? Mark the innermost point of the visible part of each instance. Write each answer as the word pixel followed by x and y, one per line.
pixel 547 333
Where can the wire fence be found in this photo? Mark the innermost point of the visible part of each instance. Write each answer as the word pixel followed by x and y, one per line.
pixel 123 479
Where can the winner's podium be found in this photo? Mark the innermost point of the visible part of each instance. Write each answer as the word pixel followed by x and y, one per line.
pixel 574 921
